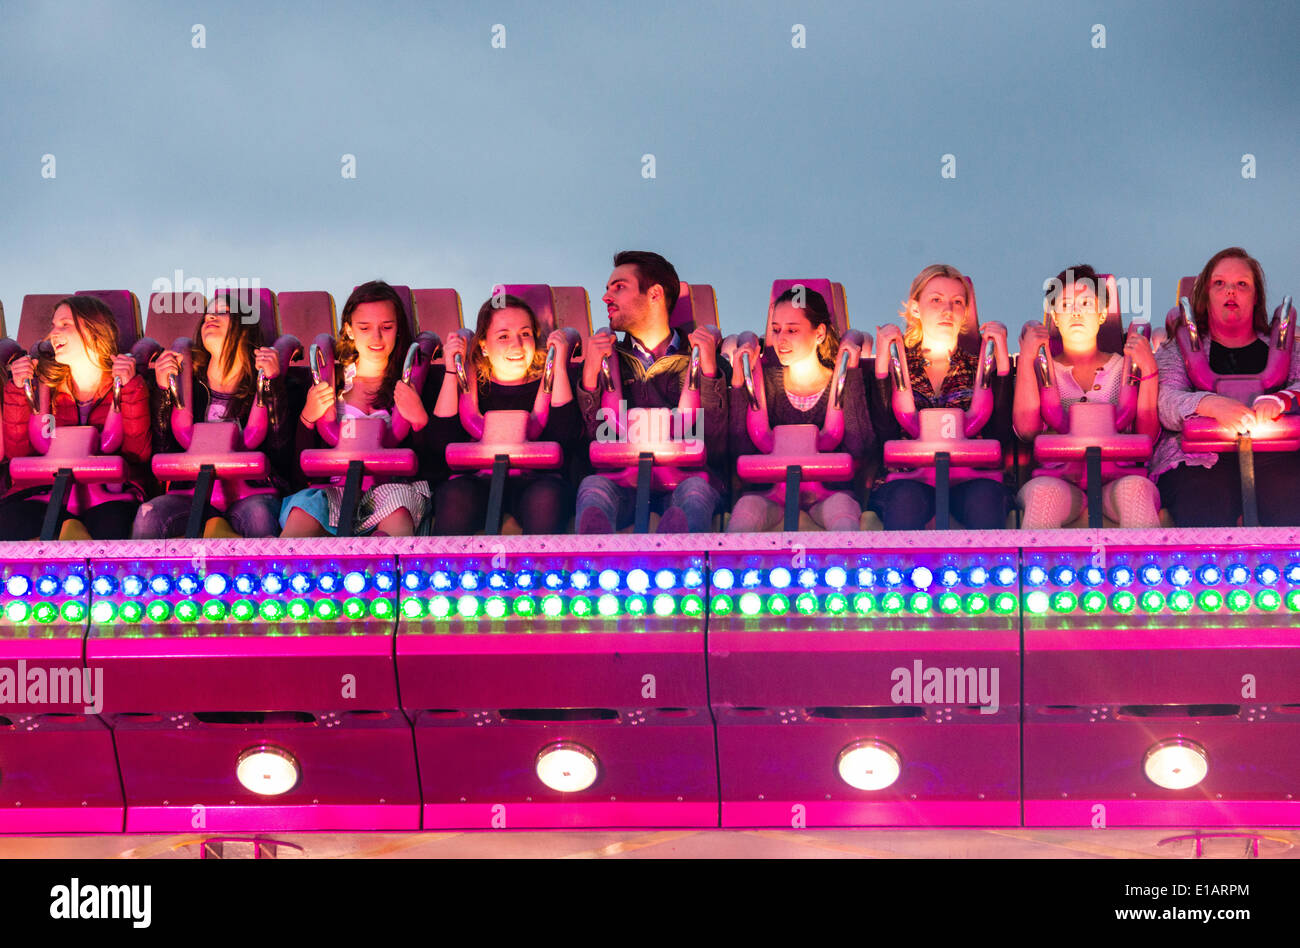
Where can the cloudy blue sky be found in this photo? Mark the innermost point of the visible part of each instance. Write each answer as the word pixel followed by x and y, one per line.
pixel 478 165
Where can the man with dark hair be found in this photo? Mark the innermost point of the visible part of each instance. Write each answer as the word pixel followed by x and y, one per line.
pixel 654 362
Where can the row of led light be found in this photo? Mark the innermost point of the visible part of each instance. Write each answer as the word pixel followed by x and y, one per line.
pixel 1153 601
pixel 838 603
pixel 19 585
pixel 550 606
pixel 609 580
pixel 131 612
pixel 1150 574
pixel 300 583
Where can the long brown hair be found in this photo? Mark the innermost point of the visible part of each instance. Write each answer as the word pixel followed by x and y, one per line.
pixel 1201 292
pixel 98 330
pixel 817 313
pixel 482 366
pixel 345 349
pixel 240 340
pixel 912 334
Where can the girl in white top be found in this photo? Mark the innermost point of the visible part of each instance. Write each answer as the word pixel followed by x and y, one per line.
pixel 1076 302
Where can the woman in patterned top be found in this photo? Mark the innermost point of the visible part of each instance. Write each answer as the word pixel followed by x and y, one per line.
pixel 943 376
pixel 1076 301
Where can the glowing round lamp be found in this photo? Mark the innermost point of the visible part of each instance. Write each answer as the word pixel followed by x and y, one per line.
pixel 567 767
pixel 869 765
pixel 1176 764
pixel 266 770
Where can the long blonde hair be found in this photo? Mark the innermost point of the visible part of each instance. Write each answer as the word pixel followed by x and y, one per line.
pixel 912 332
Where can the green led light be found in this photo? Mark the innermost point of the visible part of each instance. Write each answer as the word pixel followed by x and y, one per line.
pixel 607 605
pixel 581 605
pixel 1064 601
pixel 243 610
pixel 1180 600
pixel 74 611
pixel 919 603
pixel 1036 602
pixel 949 603
pixel 1239 600
pixel 131 612
pixel 1153 601
pixel 1123 601
pixel 863 603
pixel 214 610
pixel 102 612
pixel 496 607
pixel 158 611
pixel 552 606
pixel 837 604
pixel 299 610
pixel 45 612
pixel 525 606
pixel 1293 600
pixel 1210 600
pixel 635 605
pixel 892 603
pixel 1093 602
pixel 720 605
pixel 381 608
pixel 664 605
pixel 412 607
pixel 751 604
pixel 1268 599
pixel 17 611
pixel 977 604
pixel 187 610
pixel 439 607
pixel 467 606
pixel 778 604
pixel 806 603
pixel 272 610
pixel 1004 604
pixel 354 608
pixel 692 605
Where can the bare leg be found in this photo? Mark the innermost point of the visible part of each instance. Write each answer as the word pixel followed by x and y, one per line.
pixel 302 524
pixel 396 524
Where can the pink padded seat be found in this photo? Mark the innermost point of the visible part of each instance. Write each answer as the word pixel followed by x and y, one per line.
pixel 827 290
pixel 697 304
pixel 505 432
pixel 125 308
pixel 538 296
pixel 35 318
pixel 573 311
pixel 438 311
pixel 173 315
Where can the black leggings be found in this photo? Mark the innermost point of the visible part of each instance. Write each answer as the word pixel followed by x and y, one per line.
pixel 541 504
pixel 1211 496
pixel 979 504
pixel 22 519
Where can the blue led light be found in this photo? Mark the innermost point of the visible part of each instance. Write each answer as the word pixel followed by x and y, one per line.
pixel 499 579
pixel 665 579
pixel 723 578
pixel 553 579
pixel 1150 574
pixel 778 578
pixel 751 578
pixel 301 582
pixel 1267 574
pixel 246 584
pixel 1179 575
pixel 1092 576
pixel 73 585
pixel 1209 575
pixel 1121 576
pixel 161 584
pixel 1035 575
pixel 836 577
pixel 922 578
pixel 384 581
pixel 1004 575
pixel 1063 575
pixel 1237 574
pixel 48 584
pixel 949 576
pixel 892 577
pixel 133 586
pixel 977 576
pixel 1293 573
pixel 273 583
pixel 608 579
pixel 188 584
pixel 693 578
pixel 638 580
pixel 355 581
pixel 412 580
pixel 525 579
pixel 104 585
pixel 469 579
pixel 580 579
pixel 18 585
pixel 866 577
pixel 328 582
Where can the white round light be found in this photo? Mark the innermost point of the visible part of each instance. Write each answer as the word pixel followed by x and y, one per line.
pixel 567 767
pixel 267 770
pixel 869 765
pixel 1176 764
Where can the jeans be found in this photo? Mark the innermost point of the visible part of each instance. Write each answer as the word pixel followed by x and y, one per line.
pixel 165 517
pixel 695 496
